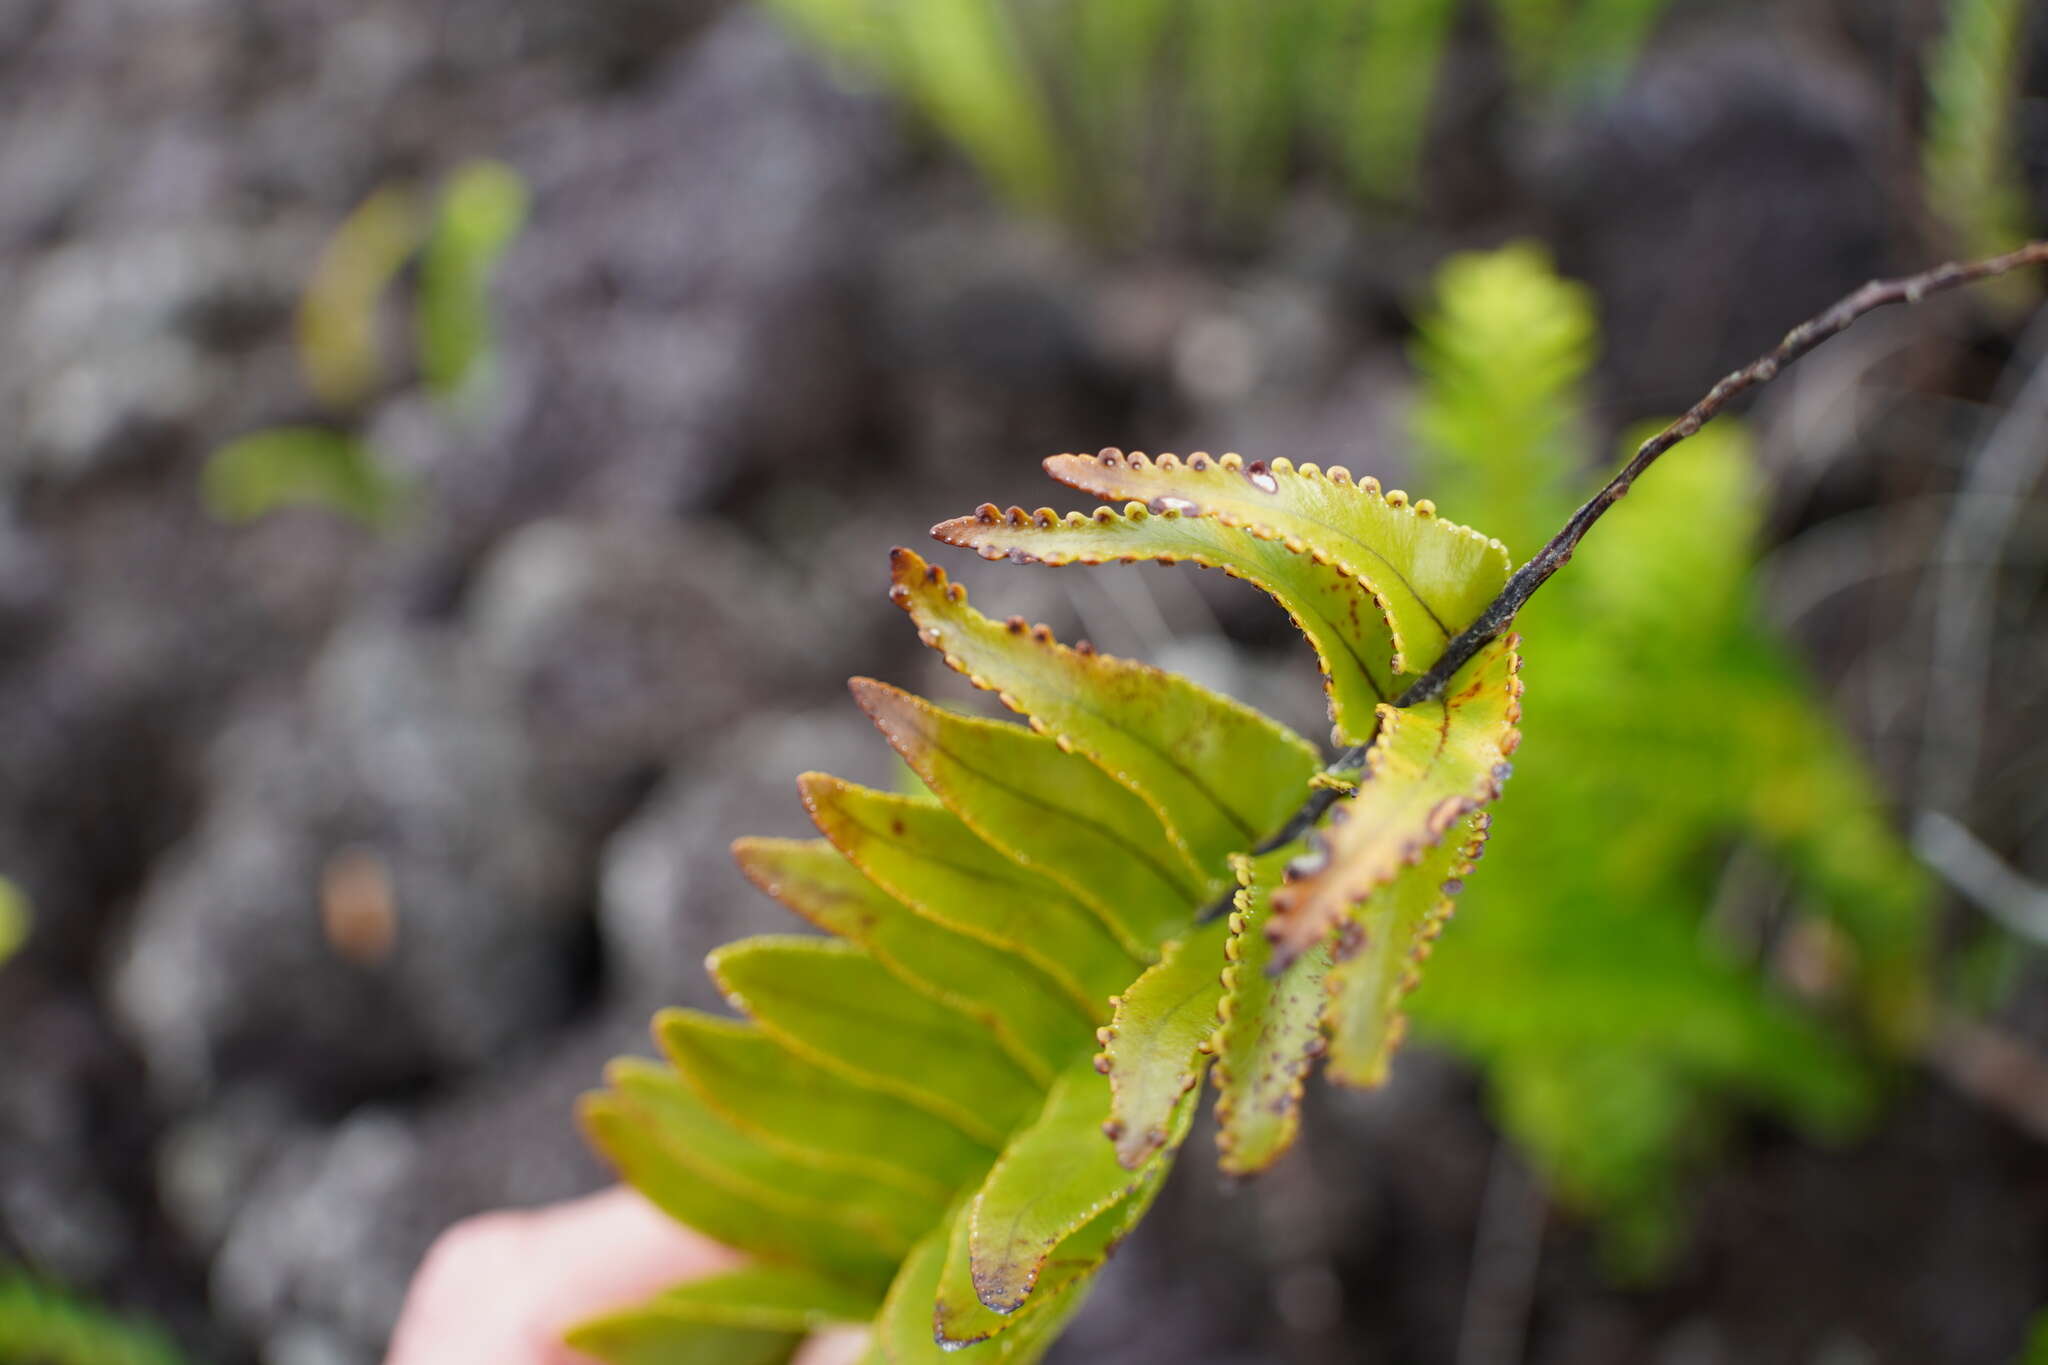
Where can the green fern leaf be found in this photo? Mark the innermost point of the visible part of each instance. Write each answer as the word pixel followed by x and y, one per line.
pixel 833 1003
pixel 1218 774
pixel 695 1171
pixel 1054 1178
pixel 1155 1049
pixel 1429 767
pixel 927 857
pixel 759 1313
pixel 913 1099
pixel 1050 810
pixel 1376 957
pixel 815 1115
pixel 1033 1014
pixel 1430 577
pixel 1344 619
pixel 1271 1029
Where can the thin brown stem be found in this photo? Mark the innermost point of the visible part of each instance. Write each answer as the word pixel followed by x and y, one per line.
pixel 1801 339
pixel 1522 585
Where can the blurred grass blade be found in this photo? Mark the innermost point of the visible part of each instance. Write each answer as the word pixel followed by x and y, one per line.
pixel 14 919
pixel 302 467
pixel 481 212
pixel 1390 75
pixel 1970 150
pixel 337 322
pixel 963 61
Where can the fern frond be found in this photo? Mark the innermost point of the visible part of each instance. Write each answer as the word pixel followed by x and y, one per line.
pixel 964 1149
pixel 1676 720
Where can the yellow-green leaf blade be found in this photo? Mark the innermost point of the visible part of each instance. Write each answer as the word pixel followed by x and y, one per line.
pixel 1219 775
pixel 1376 958
pixel 924 856
pixel 887 1215
pixel 1429 766
pixel 641 1336
pixel 1051 810
pixel 1271 1029
pixel 812 1112
pixel 1053 1179
pixel 1434 576
pixel 962 1319
pixel 1039 1022
pixel 747 1314
pixel 1344 617
pixel 906 1329
pixel 1156 1044
pixel 694 1187
pixel 836 1006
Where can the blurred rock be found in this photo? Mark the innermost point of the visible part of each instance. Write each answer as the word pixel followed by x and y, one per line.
pixel 671 891
pixel 624 641
pixel 1738 157
pixel 400 749
pixel 56 1128
pixel 330 1233
pixel 679 306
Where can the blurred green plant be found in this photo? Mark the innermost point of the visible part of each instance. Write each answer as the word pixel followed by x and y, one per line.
pixel 1970 149
pixel 2035 1352
pixel 14 919
pixel 305 467
pixel 482 209
pixel 456 248
pixel 1603 974
pixel 1100 111
pixel 40 1325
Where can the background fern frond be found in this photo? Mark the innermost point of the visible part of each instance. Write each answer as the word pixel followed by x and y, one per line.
pixel 1611 1038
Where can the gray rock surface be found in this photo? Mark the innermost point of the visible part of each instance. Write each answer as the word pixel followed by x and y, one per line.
pixel 671 891
pixel 402 755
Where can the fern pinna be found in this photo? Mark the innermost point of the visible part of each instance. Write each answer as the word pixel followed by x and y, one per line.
pixel 942 1118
